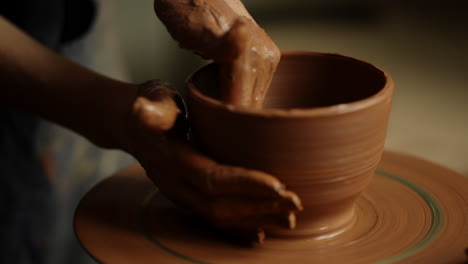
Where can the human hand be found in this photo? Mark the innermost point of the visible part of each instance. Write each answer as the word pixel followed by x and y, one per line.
pixel 246 77
pixel 235 199
pixel 225 32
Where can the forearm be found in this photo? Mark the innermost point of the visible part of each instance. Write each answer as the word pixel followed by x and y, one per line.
pixel 35 79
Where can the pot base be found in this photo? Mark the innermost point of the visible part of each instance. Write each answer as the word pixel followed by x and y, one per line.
pixel 322 228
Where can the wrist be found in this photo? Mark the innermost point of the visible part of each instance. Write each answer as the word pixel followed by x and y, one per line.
pixel 126 127
pixel 116 128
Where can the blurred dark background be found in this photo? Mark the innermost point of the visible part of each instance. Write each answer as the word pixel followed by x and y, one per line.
pixel 422 44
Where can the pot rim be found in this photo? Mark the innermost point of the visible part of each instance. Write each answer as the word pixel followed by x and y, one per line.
pixel 384 94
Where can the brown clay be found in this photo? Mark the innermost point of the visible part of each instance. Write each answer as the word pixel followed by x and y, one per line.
pixel 228 197
pixel 225 32
pixel 321 132
pixel 412 212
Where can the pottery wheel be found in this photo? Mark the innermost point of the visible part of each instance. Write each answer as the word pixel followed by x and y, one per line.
pixel 413 212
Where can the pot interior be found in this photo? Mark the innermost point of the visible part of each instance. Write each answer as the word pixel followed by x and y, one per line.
pixel 309 80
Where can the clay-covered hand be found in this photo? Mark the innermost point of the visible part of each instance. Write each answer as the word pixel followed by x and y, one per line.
pixel 225 32
pixel 230 198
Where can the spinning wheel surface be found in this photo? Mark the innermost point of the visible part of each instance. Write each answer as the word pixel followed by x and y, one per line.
pixel 412 212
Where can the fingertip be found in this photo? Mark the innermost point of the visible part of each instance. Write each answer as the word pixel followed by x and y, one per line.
pixel 295 201
pixel 260 236
pixel 292 220
pixel 249 236
pixel 268 181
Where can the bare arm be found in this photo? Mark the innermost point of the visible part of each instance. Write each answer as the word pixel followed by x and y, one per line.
pixel 35 79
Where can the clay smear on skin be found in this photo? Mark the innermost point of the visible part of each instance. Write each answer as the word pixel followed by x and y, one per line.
pixel 225 32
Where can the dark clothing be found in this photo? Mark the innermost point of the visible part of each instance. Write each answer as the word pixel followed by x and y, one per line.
pixel 51 22
pixel 25 190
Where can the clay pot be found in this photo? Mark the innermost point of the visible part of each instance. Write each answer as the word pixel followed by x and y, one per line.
pixel 321 131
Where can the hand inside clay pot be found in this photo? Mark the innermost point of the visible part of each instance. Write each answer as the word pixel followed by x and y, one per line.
pixel 238 200
pixel 225 32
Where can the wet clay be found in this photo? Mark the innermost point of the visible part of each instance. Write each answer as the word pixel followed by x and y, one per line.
pixel 225 32
pixel 412 212
pixel 230 198
pixel 321 132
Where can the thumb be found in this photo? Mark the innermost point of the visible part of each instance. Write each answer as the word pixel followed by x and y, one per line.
pixel 156 116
